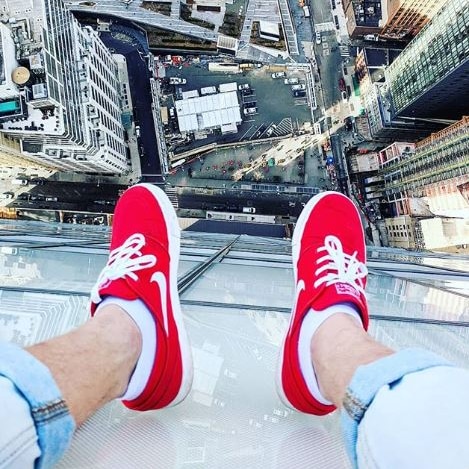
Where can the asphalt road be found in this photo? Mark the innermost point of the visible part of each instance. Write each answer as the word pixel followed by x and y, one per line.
pixel 330 64
pixel 76 196
pixel 234 201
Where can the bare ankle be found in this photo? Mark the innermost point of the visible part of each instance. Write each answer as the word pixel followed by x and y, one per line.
pixel 123 331
pixel 339 347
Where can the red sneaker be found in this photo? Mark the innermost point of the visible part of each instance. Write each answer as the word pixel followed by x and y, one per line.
pixel 328 253
pixel 143 265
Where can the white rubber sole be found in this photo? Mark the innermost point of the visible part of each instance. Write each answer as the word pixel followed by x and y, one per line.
pixel 174 235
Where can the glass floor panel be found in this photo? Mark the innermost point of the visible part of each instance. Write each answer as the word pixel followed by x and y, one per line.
pixel 236 314
pixel 232 418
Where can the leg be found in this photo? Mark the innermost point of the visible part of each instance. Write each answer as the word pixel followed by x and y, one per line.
pixel 134 348
pixel 402 409
pixel 56 385
pixel 400 422
pixel 92 364
pixel 339 347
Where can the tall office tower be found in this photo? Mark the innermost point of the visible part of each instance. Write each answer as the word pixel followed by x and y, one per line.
pixel 389 19
pixel 405 18
pixel 59 92
pixel 430 78
pixel 363 16
pixel 429 180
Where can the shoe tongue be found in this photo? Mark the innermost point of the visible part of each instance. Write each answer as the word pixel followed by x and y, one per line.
pixel 118 288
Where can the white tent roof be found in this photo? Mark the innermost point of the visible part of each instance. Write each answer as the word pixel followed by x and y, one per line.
pixel 190 94
pixel 226 87
pixel 205 112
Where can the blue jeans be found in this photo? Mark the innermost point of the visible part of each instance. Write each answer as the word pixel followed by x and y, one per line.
pixel 406 411
pixel 36 425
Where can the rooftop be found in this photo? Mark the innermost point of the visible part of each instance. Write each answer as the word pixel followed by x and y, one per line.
pixel 236 312
pixel 205 112
pixel 367 12
pixel 37 120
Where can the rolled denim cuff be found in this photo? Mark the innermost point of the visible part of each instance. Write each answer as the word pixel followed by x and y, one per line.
pixel 33 380
pixel 369 379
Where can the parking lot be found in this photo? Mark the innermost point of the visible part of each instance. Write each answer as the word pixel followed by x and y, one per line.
pixel 273 109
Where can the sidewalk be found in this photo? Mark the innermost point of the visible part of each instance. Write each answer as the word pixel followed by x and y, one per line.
pixel 280 162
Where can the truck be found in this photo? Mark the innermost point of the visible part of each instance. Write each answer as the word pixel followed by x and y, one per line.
pixel 164 115
pixel 306 11
pixel 20 182
pixel 177 81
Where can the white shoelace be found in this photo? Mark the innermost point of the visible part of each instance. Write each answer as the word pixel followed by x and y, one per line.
pixel 124 261
pixel 346 268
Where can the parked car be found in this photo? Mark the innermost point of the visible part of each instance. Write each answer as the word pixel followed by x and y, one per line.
pixel 7 195
pixel 318 38
pixel 177 81
pixel 291 81
pixel 348 121
pixel 38 181
pixel 271 130
pixel 137 131
pixel 341 84
pixel 344 96
pixel 278 75
pixel 104 202
pixel 244 86
pixel 250 110
pixel 299 93
pixel 302 86
pixel 259 131
pixel 250 104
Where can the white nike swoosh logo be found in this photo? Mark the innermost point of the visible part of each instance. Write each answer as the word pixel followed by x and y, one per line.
pixel 160 279
pixel 300 286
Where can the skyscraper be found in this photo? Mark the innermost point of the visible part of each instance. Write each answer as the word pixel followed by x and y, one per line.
pixel 430 78
pixel 405 18
pixel 390 19
pixel 425 180
pixel 59 95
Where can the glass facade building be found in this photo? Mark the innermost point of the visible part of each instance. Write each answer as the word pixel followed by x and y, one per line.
pixel 236 294
pixel 405 18
pixel 430 78
pixel 441 157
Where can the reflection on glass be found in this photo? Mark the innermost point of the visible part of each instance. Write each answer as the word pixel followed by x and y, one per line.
pixel 244 284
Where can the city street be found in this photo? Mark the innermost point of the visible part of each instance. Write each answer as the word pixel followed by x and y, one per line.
pixel 234 201
pixel 139 76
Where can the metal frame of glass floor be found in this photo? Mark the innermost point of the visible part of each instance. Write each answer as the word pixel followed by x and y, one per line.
pixel 236 293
